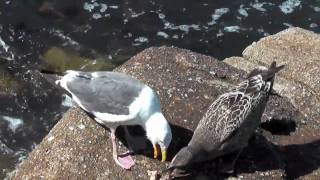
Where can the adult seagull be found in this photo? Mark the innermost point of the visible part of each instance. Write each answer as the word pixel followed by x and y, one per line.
pixel 115 99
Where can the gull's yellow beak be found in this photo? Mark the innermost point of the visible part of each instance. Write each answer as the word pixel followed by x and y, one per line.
pixel 164 155
pixel 156 152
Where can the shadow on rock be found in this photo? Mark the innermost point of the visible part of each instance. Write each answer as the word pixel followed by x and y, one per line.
pixel 263 156
pixel 142 146
pixel 280 126
pixel 180 138
pixel 280 116
pixel 301 159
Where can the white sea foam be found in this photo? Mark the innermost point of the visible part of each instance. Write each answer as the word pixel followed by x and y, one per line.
pixel 258 6
pixel 99 10
pixel 134 15
pixel 186 28
pixel 89 7
pixel 14 123
pixel 313 25
pixel 232 29
pixel 161 16
pixel 104 7
pixel 5 54
pixel 175 36
pixel 316 9
pixel 96 16
pixel 141 39
pixel 67 101
pixel 4 45
pixel 287 24
pixel 243 11
pixel 218 13
pixel 183 27
pixel 70 41
pixel 288 6
pixel 114 7
pixel 162 34
pixel 4 149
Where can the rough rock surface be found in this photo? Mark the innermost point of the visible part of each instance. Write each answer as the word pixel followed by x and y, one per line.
pixel 187 82
pixel 299 50
pixel 78 147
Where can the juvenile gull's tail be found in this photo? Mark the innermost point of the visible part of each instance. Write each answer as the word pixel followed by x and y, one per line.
pixel 273 69
pixel 268 74
pixel 52 76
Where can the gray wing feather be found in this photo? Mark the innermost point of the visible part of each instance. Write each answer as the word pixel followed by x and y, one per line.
pixel 105 92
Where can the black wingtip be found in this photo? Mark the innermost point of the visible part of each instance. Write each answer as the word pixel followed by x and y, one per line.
pixel 273 65
pixel 51 76
pixel 274 68
pixel 45 71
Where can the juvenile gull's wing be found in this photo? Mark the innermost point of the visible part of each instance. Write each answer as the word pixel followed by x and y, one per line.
pixel 103 92
pixel 228 112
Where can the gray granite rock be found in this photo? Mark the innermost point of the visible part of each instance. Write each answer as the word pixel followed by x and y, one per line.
pixel 299 49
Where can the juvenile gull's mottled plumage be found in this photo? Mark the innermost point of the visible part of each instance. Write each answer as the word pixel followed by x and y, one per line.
pixel 115 99
pixel 230 120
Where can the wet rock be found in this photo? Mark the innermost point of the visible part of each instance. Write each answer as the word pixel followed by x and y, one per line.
pixel 187 83
pixel 8 84
pixel 60 60
pixel 60 9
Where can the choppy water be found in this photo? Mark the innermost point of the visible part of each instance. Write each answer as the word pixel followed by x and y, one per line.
pixel 101 34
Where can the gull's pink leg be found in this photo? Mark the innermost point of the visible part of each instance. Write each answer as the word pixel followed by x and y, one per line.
pixel 129 140
pixel 125 162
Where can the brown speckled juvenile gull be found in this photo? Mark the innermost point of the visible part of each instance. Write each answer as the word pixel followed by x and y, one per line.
pixel 229 122
pixel 116 99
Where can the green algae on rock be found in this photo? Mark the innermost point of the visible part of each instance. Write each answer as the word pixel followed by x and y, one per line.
pixel 7 82
pixel 59 60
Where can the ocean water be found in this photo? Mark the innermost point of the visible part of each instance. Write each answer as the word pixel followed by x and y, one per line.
pixel 102 34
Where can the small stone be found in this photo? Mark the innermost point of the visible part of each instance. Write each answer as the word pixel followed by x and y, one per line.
pixel 81 126
pixel 82 159
pixel 50 138
pixel 96 16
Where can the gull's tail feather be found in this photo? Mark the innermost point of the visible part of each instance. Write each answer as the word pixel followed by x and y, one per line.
pixel 45 71
pixel 273 69
pixel 52 76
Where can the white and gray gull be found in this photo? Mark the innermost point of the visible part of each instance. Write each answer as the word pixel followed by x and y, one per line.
pixel 229 121
pixel 115 99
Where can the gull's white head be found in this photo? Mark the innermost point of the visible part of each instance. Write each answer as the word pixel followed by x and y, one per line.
pixel 159 133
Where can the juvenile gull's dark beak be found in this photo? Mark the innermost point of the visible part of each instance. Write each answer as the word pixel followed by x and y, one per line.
pixel 176 172
pixel 179 173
